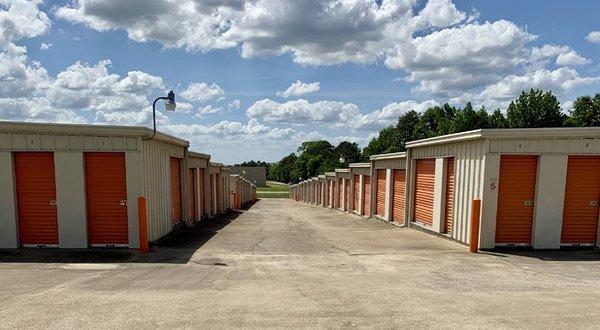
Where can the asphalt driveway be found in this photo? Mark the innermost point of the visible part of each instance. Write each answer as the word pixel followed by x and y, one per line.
pixel 286 264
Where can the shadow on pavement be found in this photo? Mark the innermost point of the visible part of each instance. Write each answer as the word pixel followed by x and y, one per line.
pixel 564 254
pixel 177 247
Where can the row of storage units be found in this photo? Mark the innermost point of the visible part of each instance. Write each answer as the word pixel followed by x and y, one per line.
pixel 76 186
pixel 539 188
pixel 242 191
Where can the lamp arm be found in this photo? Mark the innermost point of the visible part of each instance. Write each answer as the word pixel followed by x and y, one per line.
pixel 154 117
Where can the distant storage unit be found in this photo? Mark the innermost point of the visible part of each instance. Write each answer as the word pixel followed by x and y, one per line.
pixel 343 184
pixel 538 187
pixel 198 200
pixel 242 191
pixel 330 181
pixel 321 191
pixel 389 186
pixel 219 188
pixel 254 174
pixel 361 188
pixel 76 186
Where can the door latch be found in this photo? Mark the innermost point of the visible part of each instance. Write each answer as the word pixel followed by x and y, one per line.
pixel 123 202
pixel 53 202
pixel 528 203
pixel 594 203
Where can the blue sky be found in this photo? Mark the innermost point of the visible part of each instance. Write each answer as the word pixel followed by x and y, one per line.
pixel 350 67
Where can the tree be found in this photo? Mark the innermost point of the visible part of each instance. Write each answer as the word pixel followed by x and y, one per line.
pixel 535 108
pixel 283 171
pixel 497 120
pixel 388 140
pixel 350 151
pixel 468 119
pixel 586 112
pixel 436 121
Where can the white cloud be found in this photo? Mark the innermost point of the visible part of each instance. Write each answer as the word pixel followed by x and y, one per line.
pixel 21 19
pixel 301 111
pixel 300 88
pixel 45 46
pixel 594 37
pixel 332 113
pixel 461 58
pixel 499 95
pixel 565 56
pixel 234 105
pixel 209 109
pixel 314 32
pixel 202 92
pixel 388 115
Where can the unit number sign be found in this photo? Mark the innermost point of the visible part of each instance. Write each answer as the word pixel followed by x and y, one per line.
pixel 493 183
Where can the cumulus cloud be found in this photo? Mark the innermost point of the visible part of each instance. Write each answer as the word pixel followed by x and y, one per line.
pixel 302 111
pixel 300 88
pixel 564 55
pixel 499 95
pixel 594 37
pixel 45 46
pixel 208 109
pixel 21 19
pixel 445 52
pixel 202 92
pixel 388 115
pixel 332 113
pixel 28 92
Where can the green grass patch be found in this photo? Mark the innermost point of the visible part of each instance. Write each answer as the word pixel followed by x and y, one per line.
pixel 273 190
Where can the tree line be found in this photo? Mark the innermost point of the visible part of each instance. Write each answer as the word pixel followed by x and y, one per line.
pixel 532 109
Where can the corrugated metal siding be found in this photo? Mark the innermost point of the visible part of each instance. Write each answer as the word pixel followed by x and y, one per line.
pixel 156 158
pixel 544 146
pixel 468 180
pixel 399 163
pixel 15 141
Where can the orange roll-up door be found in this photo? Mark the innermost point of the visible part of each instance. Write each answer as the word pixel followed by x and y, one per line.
pixel 191 194
pixel 106 198
pixel 36 198
pixel 347 195
pixel 202 193
pixel 381 177
pixel 516 193
pixel 340 192
pixel 449 195
pixel 582 198
pixel 175 190
pixel 356 189
pixel 399 187
pixel 367 201
pixel 424 190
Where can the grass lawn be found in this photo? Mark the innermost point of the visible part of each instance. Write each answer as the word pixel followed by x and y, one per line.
pixel 273 190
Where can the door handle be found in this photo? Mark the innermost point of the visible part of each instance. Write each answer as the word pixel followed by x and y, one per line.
pixel 123 202
pixel 53 202
pixel 528 202
pixel 594 203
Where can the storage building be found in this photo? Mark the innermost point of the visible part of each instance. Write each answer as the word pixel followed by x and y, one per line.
pixel 388 191
pixel 76 186
pixel 538 187
pixel 198 186
pixel 343 185
pixel 330 180
pixel 361 188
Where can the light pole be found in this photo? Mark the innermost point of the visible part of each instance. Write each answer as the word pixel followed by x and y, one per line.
pixel 170 105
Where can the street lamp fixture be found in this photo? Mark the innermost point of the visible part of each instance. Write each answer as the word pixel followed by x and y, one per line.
pixel 170 105
pixel 342 159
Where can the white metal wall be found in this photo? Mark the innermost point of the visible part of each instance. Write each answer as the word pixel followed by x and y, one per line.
pixel 156 183
pixel 469 163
